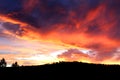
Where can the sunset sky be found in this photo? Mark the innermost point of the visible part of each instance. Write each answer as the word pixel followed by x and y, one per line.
pixel 35 32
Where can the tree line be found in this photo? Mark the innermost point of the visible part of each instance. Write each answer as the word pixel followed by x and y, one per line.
pixel 3 63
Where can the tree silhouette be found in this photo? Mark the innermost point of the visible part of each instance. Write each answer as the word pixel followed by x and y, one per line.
pixel 15 64
pixel 3 63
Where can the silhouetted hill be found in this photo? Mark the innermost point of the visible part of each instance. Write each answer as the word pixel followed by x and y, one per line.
pixel 62 70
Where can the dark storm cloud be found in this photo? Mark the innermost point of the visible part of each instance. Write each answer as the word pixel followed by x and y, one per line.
pixel 7 6
pixel 12 28
pixel 47 13
pixel 94 29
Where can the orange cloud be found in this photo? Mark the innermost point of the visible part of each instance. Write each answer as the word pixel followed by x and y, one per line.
pixel 97 29
pixel 100 43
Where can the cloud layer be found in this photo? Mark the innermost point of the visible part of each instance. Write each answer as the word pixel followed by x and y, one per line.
pixel 90 24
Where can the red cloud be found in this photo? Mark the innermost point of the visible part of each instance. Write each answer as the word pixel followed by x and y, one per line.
pixel 74 55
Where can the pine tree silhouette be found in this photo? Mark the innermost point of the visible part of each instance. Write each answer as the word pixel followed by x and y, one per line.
pixel 15 64
pixel 3 63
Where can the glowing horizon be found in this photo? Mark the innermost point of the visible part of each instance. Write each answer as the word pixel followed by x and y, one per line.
pixel 64 30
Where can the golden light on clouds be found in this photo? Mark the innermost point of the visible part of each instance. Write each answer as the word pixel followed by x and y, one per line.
pixel 47 31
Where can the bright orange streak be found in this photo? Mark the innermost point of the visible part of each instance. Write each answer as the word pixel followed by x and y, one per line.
pixel 7 19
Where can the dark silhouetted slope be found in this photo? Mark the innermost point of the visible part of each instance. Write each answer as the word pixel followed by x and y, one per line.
pixel 63 70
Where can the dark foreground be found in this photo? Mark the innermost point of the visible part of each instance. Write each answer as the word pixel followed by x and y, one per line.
pixel 62 71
